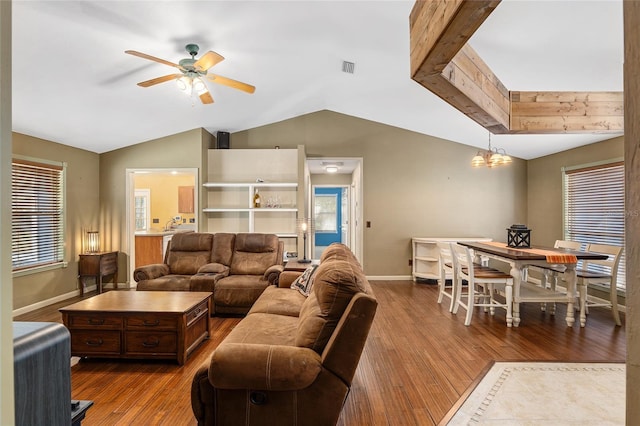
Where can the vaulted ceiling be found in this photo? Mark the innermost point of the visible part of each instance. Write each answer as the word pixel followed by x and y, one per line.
pixel 73 83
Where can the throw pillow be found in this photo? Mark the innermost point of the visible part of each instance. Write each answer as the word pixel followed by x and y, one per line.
pixel 304 282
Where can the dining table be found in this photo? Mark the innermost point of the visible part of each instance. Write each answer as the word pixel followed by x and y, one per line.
pixel 520 258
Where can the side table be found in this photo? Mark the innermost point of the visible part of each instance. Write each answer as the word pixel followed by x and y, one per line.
pixel 294 265
pixel 98 265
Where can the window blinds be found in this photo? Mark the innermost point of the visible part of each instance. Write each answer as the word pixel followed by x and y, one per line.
pixel 594 207
pixel 37 215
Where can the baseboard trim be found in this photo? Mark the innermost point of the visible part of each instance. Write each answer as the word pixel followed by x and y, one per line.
pixel 59 298
pixel 389 278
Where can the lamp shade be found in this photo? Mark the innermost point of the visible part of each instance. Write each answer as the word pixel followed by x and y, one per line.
pixel 477 161
pixel 92 242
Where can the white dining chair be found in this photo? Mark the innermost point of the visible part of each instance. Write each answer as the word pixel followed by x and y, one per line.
pixel 483 284
pixel 447 272
pixel 549 275
pixel 603 272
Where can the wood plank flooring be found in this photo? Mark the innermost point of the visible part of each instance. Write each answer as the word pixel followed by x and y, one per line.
pixel 419 359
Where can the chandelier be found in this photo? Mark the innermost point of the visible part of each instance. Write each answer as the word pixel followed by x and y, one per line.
pixel 491 157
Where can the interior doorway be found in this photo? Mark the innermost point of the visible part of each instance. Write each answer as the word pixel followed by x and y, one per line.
pixel 154 207
pixel 330 216
pixel 345 174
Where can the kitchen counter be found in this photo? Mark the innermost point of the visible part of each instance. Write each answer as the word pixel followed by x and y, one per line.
pixel 160 232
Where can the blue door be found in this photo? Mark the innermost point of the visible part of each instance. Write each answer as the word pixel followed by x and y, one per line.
pixel 328 217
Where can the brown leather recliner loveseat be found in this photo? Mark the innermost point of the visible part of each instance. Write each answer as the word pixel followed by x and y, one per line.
pixel 236 268
pixel 291 360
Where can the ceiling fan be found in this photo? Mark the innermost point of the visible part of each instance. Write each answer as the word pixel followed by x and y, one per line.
pixel 192 70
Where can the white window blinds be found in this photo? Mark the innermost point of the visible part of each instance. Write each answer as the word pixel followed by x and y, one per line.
pixel 594 207
pixel 37 214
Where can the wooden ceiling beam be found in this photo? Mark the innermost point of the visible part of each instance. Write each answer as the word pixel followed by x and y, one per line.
pixel 443 62
pixel 571 112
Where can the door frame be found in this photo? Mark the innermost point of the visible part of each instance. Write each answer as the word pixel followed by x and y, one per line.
pixel 356 201
pixel 130 192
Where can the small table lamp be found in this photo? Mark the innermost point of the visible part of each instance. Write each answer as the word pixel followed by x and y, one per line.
pixel 92 242
pixel 303 227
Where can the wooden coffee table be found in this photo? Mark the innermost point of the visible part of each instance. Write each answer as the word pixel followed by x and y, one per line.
pixel 139 324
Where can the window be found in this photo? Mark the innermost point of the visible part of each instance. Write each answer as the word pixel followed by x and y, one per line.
pixel 37 214
pixel 594 207
pixel 326 207
pixel 142 210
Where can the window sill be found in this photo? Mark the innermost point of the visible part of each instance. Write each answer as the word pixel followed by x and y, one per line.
pixel 38 269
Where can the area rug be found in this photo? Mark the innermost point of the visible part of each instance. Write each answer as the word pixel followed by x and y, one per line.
pixel 545 393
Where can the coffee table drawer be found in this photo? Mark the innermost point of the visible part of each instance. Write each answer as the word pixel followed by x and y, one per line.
pixel 198 311
pixel 95 342
pixel 151 343
pixel 94 321
pixel 151 321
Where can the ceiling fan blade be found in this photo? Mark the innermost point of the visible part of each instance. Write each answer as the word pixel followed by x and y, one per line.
pixel 208 60
pixel 159 80
pixel 231 83
pixel 151 58
pixel 206 97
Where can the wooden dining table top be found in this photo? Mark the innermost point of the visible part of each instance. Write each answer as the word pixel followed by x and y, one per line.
pixel 530 253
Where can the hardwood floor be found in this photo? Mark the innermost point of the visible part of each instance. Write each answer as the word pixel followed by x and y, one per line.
pixel 419 359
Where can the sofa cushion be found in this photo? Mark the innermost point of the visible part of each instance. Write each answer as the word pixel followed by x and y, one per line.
pixel 166 283
pixel 239 290
pixel 280 301
pixel 254 253
pixel 265 329
pixel 335 283
pixel 304 282
pixel 188 252
pixel 222 251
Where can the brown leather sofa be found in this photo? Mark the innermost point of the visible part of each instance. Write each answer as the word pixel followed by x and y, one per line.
pixel 236 268
pixel 291 360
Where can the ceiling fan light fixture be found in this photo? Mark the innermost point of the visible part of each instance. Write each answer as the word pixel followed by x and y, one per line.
pixel 184 84
pixel 198 85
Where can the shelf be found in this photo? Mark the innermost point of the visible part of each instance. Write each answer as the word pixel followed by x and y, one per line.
pixel 249 184
pixel 426 259
pixel 261 209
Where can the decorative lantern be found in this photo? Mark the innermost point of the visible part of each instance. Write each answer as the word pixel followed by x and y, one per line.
pixel 519 236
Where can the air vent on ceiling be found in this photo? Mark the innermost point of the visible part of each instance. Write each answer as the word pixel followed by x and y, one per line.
pixel 348 67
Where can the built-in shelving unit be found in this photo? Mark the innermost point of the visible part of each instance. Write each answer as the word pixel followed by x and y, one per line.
pixel 278 202
pixel 232 184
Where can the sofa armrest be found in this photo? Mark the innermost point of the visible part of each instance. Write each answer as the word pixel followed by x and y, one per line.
pixel 287 278
pixel 264 367
pixel 273 273
pixel 214 268
pixel 149 272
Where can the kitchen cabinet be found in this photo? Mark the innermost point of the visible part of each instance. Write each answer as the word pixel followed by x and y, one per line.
pixel 185 199
pixel 151 247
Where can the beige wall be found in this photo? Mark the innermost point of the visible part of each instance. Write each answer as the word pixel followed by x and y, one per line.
pixel 182 150
pixel 414 185
pixel 545 186
pixel 82 212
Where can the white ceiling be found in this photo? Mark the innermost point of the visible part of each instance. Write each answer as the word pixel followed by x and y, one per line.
pixel 73 84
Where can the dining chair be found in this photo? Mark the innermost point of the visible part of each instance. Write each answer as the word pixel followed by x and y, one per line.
pixel 483 284
pixel 447 272
pixel 549 275
pixel 600 272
